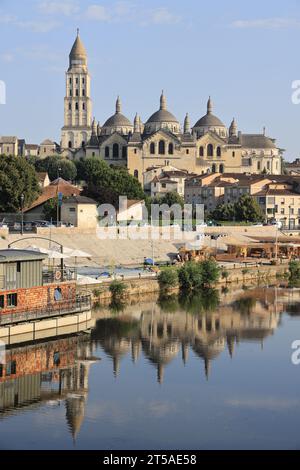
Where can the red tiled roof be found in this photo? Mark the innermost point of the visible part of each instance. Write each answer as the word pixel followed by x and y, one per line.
pixel 52 191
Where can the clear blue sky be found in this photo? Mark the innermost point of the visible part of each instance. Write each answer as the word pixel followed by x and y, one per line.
pixel 244 54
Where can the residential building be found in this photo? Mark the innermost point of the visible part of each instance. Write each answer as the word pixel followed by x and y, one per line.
pixel 80 211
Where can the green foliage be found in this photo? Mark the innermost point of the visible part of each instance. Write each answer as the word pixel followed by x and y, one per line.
pixel 168 278
pixel 294 270
pixel 50 209
pixel 106 184
pixel 56 166
pixel 225 274
pixel 170 199
pixel 117 290
pixel 196 275
pixel 17 177
pixel 245 209
pixel 224 212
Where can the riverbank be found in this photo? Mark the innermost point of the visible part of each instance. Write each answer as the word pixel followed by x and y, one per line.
pixel 250 276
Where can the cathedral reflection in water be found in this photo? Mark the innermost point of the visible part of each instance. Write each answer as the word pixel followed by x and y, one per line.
pixel 58 370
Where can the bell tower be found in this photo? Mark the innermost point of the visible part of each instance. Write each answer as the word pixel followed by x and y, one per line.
pixel 77 104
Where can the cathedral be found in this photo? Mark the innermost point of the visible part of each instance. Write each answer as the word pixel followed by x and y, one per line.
pixel 207 147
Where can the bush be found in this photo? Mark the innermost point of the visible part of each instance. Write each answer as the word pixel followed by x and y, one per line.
pixel 195 275
pixel 168 278
pixel 117 290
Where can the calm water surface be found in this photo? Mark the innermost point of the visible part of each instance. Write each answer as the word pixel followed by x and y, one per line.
pixel 202 373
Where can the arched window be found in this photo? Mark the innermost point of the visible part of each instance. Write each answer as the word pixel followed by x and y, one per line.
pixel 136 174
pixel 76 106
pixel 152 148
pixel 124 151
pixel 70 107
pixel 221 169
pixel 218 151
pixel 210 150
pixel 171 149
pixel 213 168
pixel 83 144
pixel 70 144
pixel 116 151
pixel 106 152
pixel 201 152
pixel 83 106
pixel 161 147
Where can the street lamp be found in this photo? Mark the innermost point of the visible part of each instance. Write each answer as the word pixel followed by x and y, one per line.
pixel 22 214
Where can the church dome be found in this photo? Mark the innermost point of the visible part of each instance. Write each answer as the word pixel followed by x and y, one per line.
pixel 162 119
pixel 118 122
pixel 210 122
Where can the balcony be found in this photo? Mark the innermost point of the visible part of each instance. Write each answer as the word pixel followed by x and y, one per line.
pixel 78 305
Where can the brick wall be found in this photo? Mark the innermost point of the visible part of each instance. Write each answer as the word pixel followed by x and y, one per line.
pixel 39 297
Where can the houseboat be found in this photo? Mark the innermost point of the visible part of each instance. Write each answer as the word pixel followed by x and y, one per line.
pixel 32 292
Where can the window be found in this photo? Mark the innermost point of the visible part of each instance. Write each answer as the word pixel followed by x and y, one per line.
pixel 233 154
pixel 116 151
pixel 70 107
pixel 171 149
pixel 221 169
pixel 77 93
pixel 18 267
pixel 135 151
pixel 213 168
pixel 1 370
pixel 187 151
pixel 76 81
pixel 201 152
pixel 12 300
pixel 152 148
pixel 136 174
pixel 70 144
pixel 83 92
pixel 70 81
pixel 72 209
pixel 163 185
pixel 57 294
pixel 161 147
pixel 76 107
pixel 56 359
pixel 83 81
pixel 124 151
pixel 258 166
pixel 13 367
pixel 218 151
pixel 210 150
pixel 1 301
pixel 83 106
pixel 106 152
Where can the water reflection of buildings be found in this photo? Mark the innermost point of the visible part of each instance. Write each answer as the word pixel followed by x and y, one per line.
pixel 243 316
pixel 53 371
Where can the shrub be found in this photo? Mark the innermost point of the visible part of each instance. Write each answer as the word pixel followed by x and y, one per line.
pixel 168 279
pixel 195 275
pixel 117 290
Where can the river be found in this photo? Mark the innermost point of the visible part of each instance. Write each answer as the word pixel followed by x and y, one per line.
pixel 209 372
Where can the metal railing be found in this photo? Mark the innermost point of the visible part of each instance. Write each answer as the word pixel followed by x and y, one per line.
pixel 78 305
pixel 59 275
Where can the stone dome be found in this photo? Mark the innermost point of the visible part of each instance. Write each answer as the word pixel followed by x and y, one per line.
pixel 210 122
pixel 118 122
pixel 162 119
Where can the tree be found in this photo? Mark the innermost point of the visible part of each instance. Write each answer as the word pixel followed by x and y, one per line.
pixel 197 275
pixel 117 290
pixel 57 166
pixel 106 184
pixel 50 209
pixel 247 209
pixel 17 177
pixel 168 279
pixel 170 199
pixel 224 212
